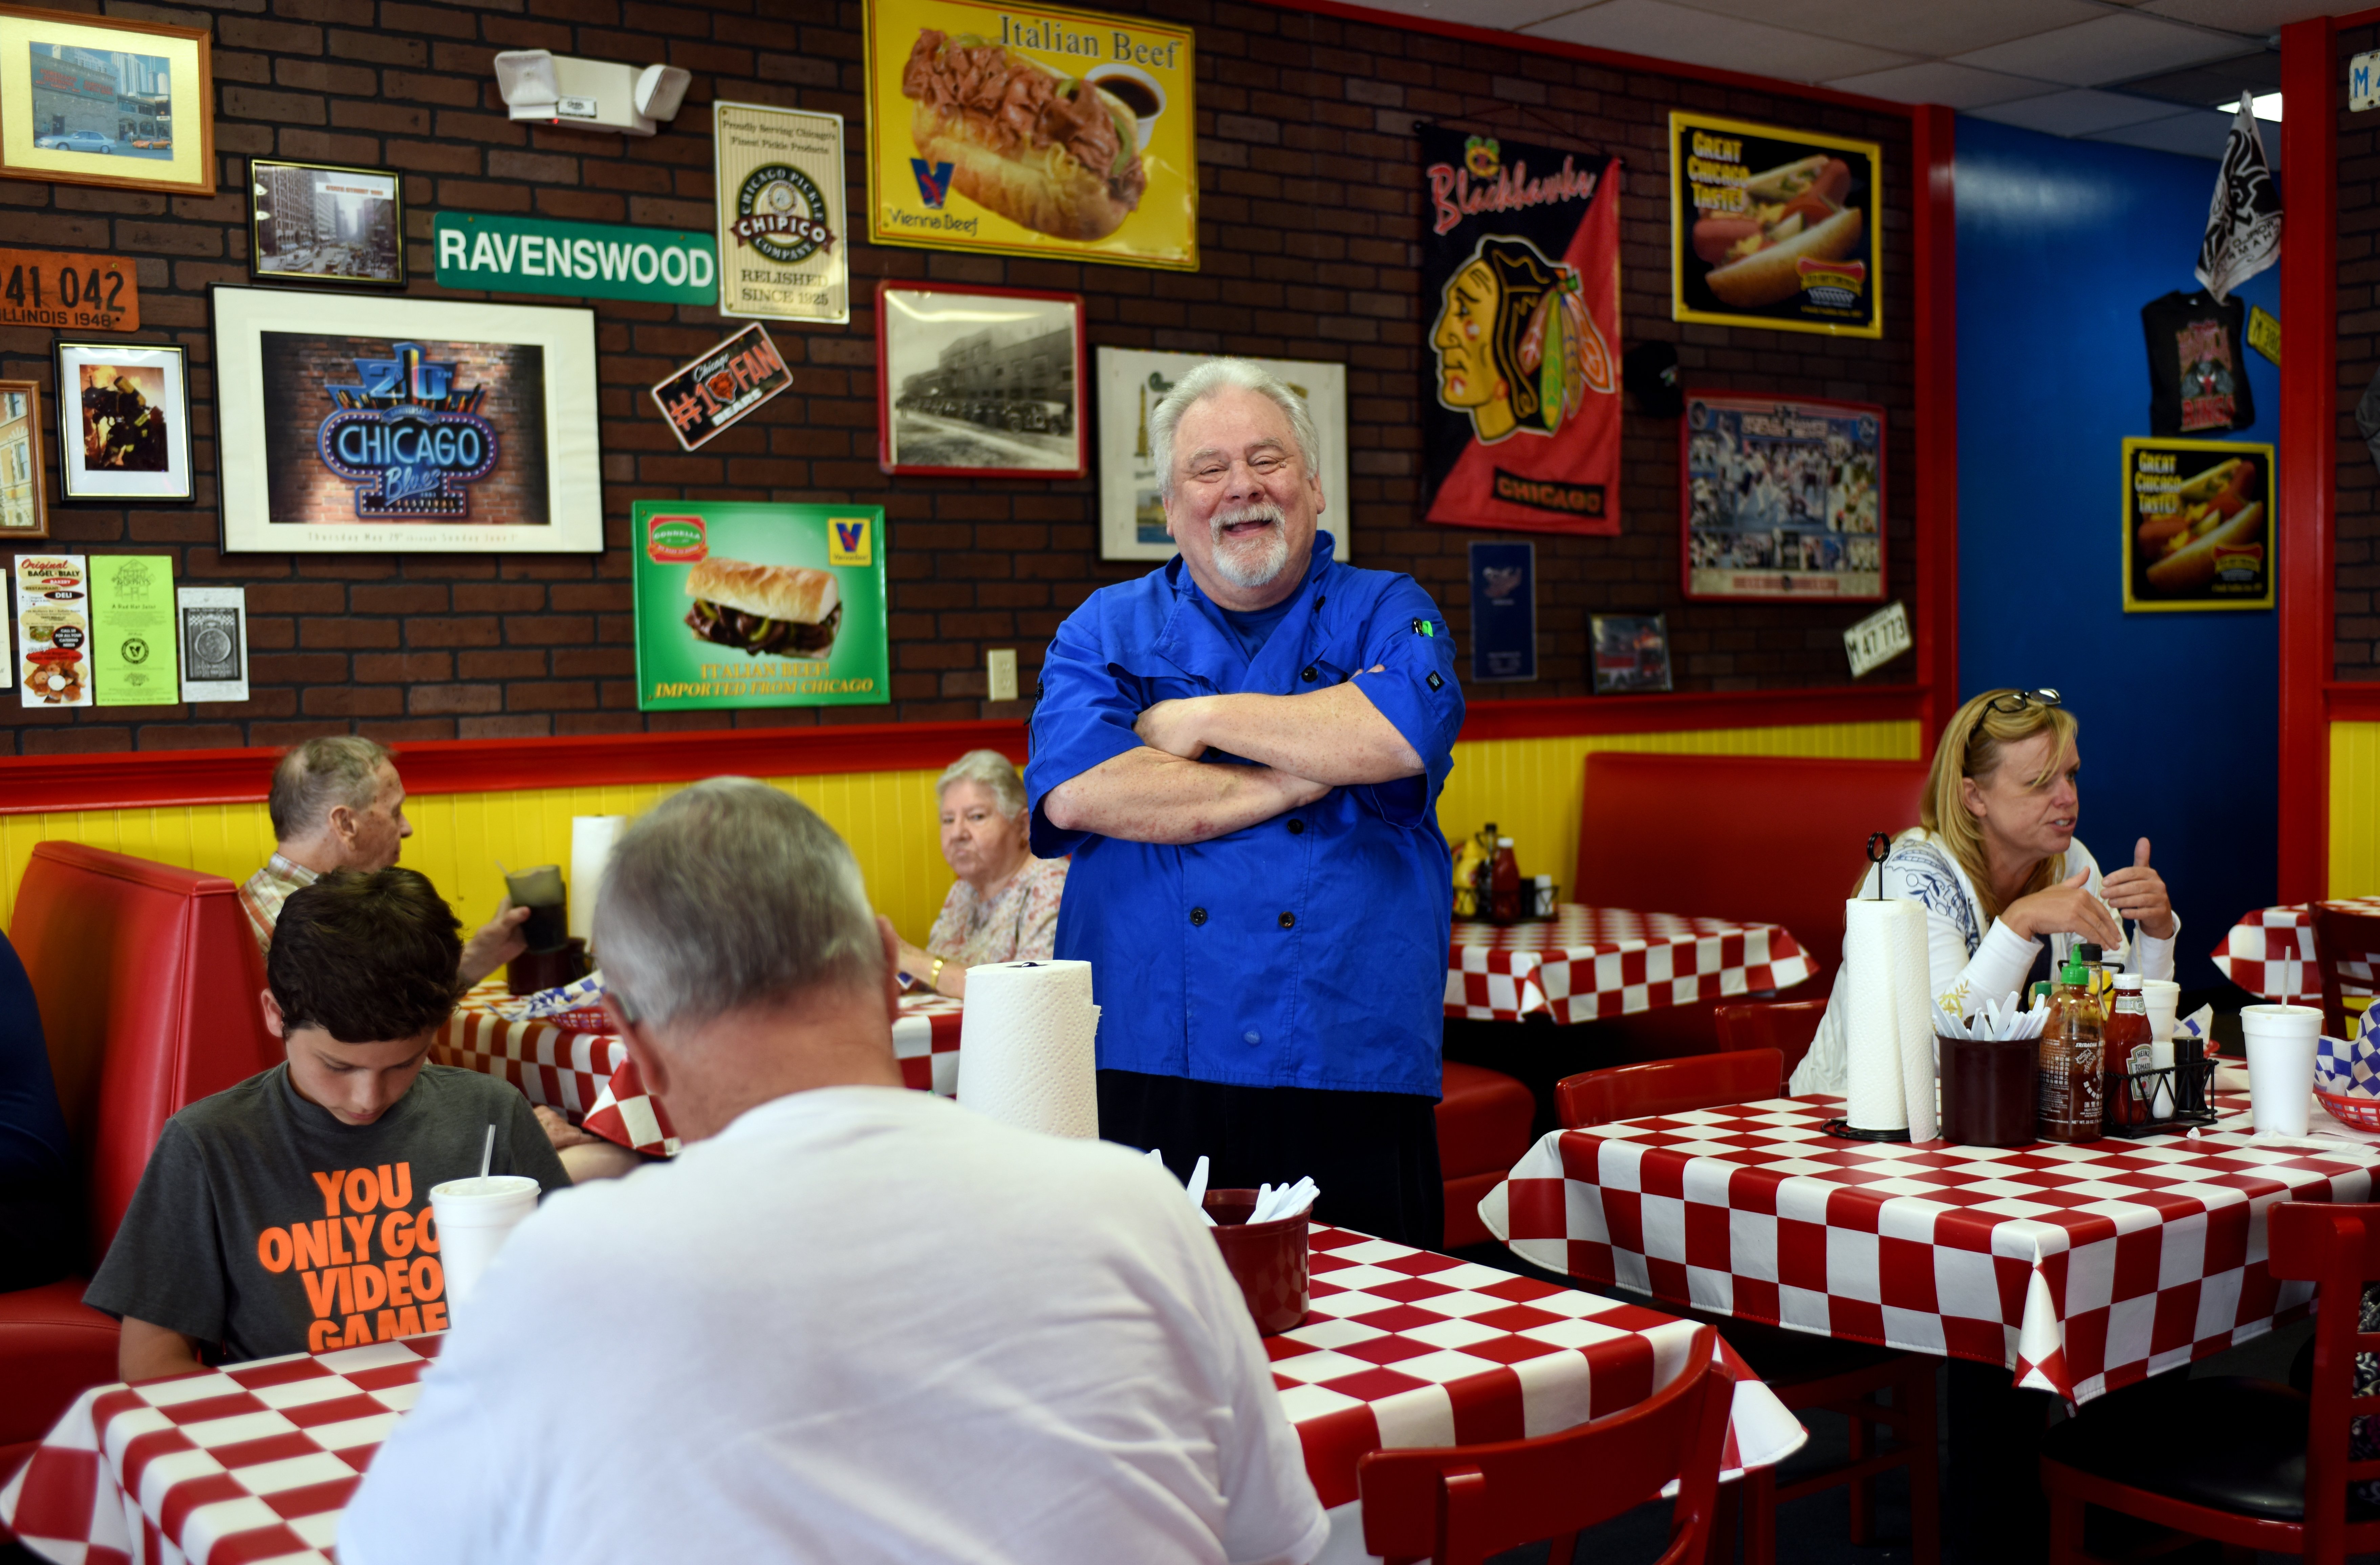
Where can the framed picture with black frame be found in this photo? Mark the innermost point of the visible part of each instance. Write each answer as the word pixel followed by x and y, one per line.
pixel 123 422
pixel 314 222
pixel 980 382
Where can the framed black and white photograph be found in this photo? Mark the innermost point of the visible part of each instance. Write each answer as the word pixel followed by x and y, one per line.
pixel 322 223
pixel 23 514
pixel 1628 652
pixel 123 422
pixel 980 382
pixel 349 422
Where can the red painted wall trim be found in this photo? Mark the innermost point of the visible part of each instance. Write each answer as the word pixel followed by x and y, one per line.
pixel 1529 43
pixel 2308 434
pixel 1934 146
pixel 2352 701
pixel 1554 717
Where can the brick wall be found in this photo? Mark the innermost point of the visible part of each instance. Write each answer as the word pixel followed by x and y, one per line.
pixel 2356 649
pixel 1310 217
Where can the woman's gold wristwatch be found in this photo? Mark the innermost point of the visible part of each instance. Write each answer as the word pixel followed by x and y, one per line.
pixel 934 979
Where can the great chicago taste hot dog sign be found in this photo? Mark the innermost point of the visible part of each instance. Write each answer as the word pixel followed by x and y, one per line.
pixel 1773 227
pixel 2198 525
pixel 753 605
pixel 1031 132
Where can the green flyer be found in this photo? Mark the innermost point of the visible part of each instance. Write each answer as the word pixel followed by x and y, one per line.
pixel 752 605
pixel 132 659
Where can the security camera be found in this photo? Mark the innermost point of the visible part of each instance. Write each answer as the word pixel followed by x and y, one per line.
pixel 589 94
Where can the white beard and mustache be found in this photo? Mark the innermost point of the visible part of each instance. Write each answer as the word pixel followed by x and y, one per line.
pixel 1252 563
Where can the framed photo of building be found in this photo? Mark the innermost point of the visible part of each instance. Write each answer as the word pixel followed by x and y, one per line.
pixel 980 382
pixel 1134 381
pixel 321 223
pixel 105 100
pixel 348 422
pixel 23 514
pixel 123 422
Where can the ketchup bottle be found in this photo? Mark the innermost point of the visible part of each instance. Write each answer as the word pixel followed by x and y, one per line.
pixel 2125 1045
pixel 1504 884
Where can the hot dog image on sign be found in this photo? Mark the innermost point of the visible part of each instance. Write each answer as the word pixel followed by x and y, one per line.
pixel 1521 291
pixel 1031 132
pixel 1774 227
pixel 2198 530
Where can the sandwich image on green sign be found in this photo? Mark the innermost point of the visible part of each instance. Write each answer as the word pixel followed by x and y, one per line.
pixel 789 610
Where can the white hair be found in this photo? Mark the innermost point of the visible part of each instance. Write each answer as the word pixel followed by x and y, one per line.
pixel 319 775
pixel 1203 382
pixel 730 894
pixel 990 771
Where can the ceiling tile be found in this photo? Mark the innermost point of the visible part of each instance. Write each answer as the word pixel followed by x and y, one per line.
pixel 1509 13
pixel 1673 32
pixel 1940 81
pixel 2241 16
pixel 2113 48
pixel 2079 113
pixel 2198 135
pixel 1913 28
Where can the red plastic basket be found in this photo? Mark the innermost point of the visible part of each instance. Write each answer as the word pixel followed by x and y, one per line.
pixel 2359 1112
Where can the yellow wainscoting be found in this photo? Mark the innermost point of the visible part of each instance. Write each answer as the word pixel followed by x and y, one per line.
pixel 2354 868
pixel 1529 787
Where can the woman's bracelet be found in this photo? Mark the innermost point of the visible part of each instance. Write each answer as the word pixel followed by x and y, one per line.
pixel 934 979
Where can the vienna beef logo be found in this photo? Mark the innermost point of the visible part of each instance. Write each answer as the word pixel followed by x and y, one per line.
pixel 369 1265
pixel 410 437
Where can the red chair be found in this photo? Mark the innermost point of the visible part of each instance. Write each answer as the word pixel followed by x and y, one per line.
pixel 1808 1373
pixel 2249 1463
pixel 1459 1505
pixel 148 980
pixel 1785 1025
pixel 2342 934
pixel 1482 1129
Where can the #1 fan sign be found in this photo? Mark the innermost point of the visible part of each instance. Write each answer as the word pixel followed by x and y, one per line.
pixel 1521 271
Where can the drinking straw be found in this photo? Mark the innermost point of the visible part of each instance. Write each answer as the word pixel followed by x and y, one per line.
pixel 486 1154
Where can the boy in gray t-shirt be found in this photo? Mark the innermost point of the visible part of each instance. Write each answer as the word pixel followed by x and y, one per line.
pixel 291 1213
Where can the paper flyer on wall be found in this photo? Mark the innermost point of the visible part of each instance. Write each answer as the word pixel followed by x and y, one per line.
pixel 214 642
pixel 132 661
pixel 54 629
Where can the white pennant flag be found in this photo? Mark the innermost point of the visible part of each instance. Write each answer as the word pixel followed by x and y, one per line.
pixel 2243 225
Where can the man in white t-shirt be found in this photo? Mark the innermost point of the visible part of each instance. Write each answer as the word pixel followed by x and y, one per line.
pixel 850 1322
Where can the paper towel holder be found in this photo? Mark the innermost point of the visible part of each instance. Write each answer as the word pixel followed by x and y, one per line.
pixel 1845 1131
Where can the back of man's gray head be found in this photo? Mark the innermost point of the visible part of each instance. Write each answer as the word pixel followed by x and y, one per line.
pixel 1203 382
pixel 319 775
pixel 731 894
pixel 990 771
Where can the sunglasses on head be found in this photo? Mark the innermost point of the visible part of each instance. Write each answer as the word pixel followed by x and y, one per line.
pixel 2017 701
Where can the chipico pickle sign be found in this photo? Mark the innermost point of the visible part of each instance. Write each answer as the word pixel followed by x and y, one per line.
pixel 537 255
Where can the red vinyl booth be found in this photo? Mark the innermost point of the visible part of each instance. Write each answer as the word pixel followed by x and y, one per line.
pixel 146 977
pixel 1482 1130
pixel 1776 840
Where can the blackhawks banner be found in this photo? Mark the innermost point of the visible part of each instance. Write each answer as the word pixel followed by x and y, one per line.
pixel 1521 277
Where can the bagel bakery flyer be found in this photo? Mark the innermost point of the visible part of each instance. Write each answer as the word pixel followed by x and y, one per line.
pixel 1773 227
pixel 1032 131
pixel 2198 525
pixel 1519 286
pixel 54 629
pixel 753 605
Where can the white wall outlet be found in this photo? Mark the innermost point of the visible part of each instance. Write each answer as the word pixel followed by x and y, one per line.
pixel 1001 668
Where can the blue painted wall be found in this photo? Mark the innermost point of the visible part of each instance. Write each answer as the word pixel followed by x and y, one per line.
pixel 2061 243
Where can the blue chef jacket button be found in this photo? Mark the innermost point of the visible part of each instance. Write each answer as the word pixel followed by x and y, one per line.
pixel 1197 915
pixel 1288 920
pixel 1308 676
pixel 1297 828
pixel 1253 1036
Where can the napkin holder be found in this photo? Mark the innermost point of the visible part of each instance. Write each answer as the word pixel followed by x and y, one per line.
pixel 1989 1094
pixel 1269 1260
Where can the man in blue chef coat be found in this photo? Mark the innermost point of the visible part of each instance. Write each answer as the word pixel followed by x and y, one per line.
pixel 1242 750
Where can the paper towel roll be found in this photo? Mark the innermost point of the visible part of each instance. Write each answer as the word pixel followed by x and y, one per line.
pixel 591 837
pixel 1913 1010
pixel 1885 981
pixel 1026 1046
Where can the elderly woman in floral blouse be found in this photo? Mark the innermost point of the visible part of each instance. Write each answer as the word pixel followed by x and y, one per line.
pixel 1004 907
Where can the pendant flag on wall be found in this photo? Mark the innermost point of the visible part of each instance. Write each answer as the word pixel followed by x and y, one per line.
pixel 2243 224
pixel 1520 276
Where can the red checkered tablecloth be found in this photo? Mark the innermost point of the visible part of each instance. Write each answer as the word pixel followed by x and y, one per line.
pixel 1590 962
pixel 2082 1268
pixel 2270 952
pixel 590 1080
pixel 1401 1348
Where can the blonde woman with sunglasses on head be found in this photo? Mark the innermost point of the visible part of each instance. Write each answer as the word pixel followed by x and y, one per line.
pixel 1997 866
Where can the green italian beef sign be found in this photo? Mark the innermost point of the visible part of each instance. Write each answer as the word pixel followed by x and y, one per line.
pixel 538 255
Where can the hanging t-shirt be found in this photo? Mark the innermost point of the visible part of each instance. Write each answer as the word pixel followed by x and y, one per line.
pixel 2198 365
pixel 267 1226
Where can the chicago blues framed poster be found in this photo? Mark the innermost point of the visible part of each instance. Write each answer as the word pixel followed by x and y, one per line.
pixel 350 424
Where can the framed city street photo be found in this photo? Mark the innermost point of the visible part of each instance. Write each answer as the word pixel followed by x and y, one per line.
pixel 104 101
pixel 123 422
pixel 320 222
pixel 348 422
pixel 22 513
pixel 980 382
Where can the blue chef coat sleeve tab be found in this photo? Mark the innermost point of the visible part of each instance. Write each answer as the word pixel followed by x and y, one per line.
pixel 1416 691
pixel 1083 718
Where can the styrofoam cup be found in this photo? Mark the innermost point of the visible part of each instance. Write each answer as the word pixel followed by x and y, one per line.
pixel 475 1217
pixel 2162 997
pixel 2281 1041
